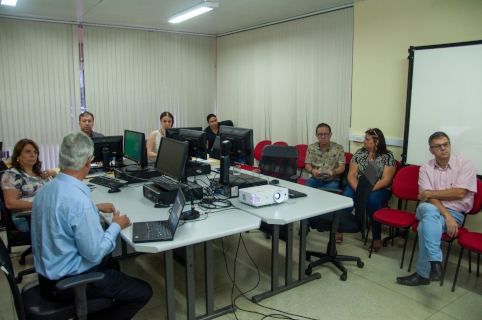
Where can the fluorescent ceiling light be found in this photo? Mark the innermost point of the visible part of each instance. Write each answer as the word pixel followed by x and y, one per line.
pixel 9 2
pixel 193 11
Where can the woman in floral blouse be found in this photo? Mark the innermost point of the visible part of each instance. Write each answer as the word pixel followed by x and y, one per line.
pixel 21 182
pixel 374 150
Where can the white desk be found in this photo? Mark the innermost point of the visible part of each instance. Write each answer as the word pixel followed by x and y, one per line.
pixel 316 203
pixel 131 202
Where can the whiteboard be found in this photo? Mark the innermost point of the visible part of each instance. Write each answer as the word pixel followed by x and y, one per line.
pixel 445 95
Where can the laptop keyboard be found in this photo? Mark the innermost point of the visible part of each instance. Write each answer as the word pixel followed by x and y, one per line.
pixel 156 229
pixel 108 182
pixel 167 184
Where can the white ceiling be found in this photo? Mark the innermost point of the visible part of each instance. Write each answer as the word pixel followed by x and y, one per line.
pixel 232 15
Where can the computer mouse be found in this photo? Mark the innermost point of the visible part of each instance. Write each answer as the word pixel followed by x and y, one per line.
pixel 274 181
pixel 161 205
pixel 114 190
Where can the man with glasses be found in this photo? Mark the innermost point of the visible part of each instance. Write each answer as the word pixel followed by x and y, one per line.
pixel 68 239
pixel 447 186
pixel 325 160
pixel 86 124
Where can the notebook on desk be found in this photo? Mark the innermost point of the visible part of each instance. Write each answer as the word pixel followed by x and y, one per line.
pixel 160 230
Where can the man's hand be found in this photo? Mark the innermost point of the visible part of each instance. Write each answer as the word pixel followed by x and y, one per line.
pixel 122 221
pixel 452 227
pixel 424 195
pixel 105 207
pixel 316 173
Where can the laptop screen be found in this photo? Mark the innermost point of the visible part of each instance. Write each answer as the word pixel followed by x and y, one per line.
pixel 177 210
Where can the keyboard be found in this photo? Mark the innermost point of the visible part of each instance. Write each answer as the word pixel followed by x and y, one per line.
pixel 293 194
pixel 167 183
pixel 108 182
pixel 156 229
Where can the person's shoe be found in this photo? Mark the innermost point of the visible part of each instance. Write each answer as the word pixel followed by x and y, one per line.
pixel 436 272
pixel 413 280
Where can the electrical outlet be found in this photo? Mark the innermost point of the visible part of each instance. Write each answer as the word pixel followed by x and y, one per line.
pixel 356 137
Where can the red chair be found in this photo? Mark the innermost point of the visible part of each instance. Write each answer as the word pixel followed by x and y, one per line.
pixel 471 241
pixel 445 237
pixel 404 187
pixel 280 143
pixel 302 148
pixel 259 148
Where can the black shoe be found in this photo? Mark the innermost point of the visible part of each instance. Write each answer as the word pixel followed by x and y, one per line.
pixel 413 280
pixel 436 272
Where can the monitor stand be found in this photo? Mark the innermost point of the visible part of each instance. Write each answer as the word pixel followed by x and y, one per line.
pixel 135 168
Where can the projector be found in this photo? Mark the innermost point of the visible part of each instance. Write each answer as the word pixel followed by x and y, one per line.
pixel 263 195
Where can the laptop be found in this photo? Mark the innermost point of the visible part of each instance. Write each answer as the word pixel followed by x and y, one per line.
pixel 293 194
pixel 160 230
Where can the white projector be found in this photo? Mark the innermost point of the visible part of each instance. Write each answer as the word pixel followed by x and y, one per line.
pixel 263 195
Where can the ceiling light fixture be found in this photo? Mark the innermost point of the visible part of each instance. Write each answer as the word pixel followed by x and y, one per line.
pixel 9 2
pixel 193 11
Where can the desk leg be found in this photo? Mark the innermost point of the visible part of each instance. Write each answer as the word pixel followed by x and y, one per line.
pixel 171 302
pixel 275 258
pixel 190 293
pixel 289 254
pixel 302 257
pixel 289 260
pixel 210 313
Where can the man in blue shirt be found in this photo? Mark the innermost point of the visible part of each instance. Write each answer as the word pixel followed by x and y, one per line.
pixel 67 238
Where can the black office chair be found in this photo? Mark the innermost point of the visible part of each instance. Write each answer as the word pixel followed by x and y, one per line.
pixel 279 162
pixel 341 221
pixel 30 304
pixel 16 238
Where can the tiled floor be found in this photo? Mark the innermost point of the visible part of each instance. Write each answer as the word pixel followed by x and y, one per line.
pixel 369 293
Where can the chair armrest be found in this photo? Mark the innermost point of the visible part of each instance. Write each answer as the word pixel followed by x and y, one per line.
pixel 332 190
pixel 26 214
pixel 79 284
pixel 79 280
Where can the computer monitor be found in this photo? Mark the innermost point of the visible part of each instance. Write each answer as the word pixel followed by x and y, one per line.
pixel 135 150
pixel 106 147
pixel 171 158
pixel 197 142
pixel 173 133
pixel 242 149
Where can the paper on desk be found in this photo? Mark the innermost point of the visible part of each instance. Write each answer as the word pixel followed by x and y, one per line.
pixel 204 161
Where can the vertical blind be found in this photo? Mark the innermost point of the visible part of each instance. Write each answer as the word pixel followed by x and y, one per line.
pixel 39 84
pixel 131 77
pixel 283 80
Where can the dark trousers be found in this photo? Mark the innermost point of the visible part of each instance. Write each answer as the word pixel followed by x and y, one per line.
pixel 130 294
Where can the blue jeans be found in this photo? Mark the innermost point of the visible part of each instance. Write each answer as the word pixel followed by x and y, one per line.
pixel 374 203
pixel 20 223
pixel 316 183
pixel 432 226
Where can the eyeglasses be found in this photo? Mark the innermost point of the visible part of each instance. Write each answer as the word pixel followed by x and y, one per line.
pixel 439 146
pixel 326 134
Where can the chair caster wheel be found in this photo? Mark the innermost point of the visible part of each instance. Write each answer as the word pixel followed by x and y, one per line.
pixel 308 257
pixel 21 261
pixel 343 277
pixel 360 264
pixel 308 271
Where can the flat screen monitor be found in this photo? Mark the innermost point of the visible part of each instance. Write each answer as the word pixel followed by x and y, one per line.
pixel 171 158
pixel 242 149
pixel 197 142
pixel 173 133
pixel 135 150
pixel 106 147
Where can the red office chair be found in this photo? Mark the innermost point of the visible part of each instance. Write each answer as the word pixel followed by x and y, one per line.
pixel 445 237
pixel 257 154
pixel 405 187
pixel 280 143
pixel 302 148
pixel 471 241
pixel 398 167
pixel 259 148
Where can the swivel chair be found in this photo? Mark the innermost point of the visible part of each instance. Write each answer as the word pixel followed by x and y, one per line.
pixel 30 304
pixel 16 238
pixel 341 221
